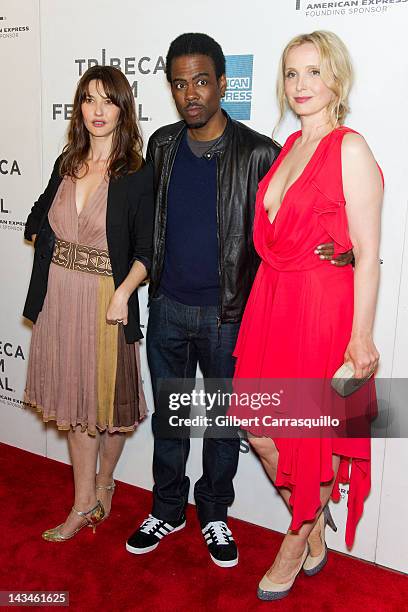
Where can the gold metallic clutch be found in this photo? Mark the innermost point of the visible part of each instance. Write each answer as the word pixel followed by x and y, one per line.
pixel 344 382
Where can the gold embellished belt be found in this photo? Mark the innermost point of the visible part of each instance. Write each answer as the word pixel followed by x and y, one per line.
pixel 81 257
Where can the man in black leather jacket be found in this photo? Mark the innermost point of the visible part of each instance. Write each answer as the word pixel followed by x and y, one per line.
pixel 243 157
pixel 206 172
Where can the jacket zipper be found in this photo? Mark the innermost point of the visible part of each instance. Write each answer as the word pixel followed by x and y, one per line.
pixel 219 253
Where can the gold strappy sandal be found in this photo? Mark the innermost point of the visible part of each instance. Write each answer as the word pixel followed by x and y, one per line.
pixel 92 517
pixel 111 488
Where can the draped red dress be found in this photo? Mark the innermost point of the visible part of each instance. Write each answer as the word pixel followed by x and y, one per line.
pixel 298 319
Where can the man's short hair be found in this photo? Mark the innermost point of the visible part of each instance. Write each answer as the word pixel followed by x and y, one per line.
pixel 196 44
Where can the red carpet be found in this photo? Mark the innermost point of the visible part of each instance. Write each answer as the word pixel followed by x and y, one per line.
pixel 99 573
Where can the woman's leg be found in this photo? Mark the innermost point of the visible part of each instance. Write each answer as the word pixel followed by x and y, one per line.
pixel 110 451
pixel 268 454
pixel 287 560
pixel 83 449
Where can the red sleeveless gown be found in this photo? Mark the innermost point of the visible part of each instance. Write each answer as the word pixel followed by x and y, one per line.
pixel 298 319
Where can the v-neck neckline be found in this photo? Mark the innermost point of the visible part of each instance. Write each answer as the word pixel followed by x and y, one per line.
pixel 90 198
pixel 295 138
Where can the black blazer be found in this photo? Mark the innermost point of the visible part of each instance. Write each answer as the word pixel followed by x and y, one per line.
pixel 129 230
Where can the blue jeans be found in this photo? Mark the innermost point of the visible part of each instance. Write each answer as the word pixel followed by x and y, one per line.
pixel 178 338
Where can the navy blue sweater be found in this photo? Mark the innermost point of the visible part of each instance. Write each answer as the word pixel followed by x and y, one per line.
pixel 190 272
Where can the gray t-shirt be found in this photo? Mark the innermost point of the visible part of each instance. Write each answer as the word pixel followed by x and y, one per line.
pixel 200 147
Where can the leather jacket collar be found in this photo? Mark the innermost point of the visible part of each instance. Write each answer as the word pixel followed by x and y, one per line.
pixel 181 128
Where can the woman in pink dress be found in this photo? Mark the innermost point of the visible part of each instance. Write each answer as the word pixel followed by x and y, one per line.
pixel 92 233
pixel 305 317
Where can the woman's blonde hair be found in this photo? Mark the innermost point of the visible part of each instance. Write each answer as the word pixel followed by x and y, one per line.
pixel 335 68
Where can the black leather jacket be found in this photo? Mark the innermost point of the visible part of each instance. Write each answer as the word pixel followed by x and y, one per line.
pixel 243 158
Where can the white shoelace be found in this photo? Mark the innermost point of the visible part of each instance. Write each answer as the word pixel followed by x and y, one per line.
pixel 218 531
pixel 151 524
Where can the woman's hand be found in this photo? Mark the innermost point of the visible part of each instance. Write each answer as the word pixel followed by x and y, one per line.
pixel 33 238
pixel 363 355
pixel 118 308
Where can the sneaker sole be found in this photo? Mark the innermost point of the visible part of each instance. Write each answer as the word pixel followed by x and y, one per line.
pixel 147 549
pixel 230 563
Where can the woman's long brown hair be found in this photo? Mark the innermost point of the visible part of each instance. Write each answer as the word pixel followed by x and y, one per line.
pixel 126 153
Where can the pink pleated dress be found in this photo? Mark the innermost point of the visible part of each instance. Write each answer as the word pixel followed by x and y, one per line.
pixel 81 371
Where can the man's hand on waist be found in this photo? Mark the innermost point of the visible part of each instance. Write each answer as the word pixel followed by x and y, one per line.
pixel 326 251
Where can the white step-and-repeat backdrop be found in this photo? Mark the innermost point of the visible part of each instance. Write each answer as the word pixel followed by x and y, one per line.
pixel 45 46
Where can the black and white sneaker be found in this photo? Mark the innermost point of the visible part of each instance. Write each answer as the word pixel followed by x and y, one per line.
pixel 221 544
pixel 149 534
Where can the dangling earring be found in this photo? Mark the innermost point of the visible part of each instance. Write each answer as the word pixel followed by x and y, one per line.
pixel 334 112
pixel 337 112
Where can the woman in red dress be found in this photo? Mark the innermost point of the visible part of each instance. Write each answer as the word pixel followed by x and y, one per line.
pixel 305 317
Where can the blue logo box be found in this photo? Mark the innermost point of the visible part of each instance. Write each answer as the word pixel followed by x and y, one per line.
pixel 238 97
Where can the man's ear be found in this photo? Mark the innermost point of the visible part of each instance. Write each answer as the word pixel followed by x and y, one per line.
pixel 222 84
